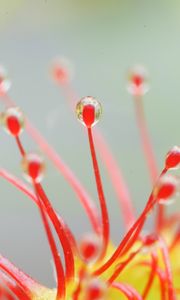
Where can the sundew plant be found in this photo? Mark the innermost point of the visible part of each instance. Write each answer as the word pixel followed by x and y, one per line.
pixel 142 265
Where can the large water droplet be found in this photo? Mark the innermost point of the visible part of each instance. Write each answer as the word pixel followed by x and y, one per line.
pixel 88 111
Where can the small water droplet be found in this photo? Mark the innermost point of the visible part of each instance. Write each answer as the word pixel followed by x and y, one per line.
pixel 33 167
pixel 166 189
pixel 173 158
pixel 62 70
pixel 138 81
pixel 150 243
pixel 13 121
pixel 5 83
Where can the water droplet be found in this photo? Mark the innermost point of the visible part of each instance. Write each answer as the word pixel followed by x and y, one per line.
pixel 173 158
pixel 88 111
pixel 90 247
pixel 5 83
pixel 138 81
pixel 13 121
pixel 33 167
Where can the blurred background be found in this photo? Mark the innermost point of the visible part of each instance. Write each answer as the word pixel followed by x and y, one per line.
pixel 102 39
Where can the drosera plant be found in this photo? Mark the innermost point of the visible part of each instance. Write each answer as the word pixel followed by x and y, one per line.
pixel 141 266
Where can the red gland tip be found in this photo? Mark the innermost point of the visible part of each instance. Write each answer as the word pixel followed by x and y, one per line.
pixel 33 167
pixel 173 158
pixel 138 81
pixel 95 289
pixel 13 125
pixel 149 240
pixel 166 188
pixel 90 247
pixel 62 71
pixel 88 115
pixel 13 121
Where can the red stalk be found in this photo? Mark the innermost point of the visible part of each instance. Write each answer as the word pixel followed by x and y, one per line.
pixel 68 253
pixel 148 207
pixel 154 264
pixel 22 280
pixel 24 189
pixel 79 286
pixel 67 249
pixel 136 227
pixel 130 293
pixel 102 201
pixel 167 265
pixel 20 147
pixel 13 288
pixel 117 180
pixel 146 143
pixel 122 266
pixel 119 249
pixel 83 196
pixel 81 193
pixel 160 218
pixel 175 241
pixel 123 289
pixel 134 237
pixel 151 202
pixel 61 288
pixel 77 292
pixel 161 276
pixel 111 165
pixel 170 221
pixel 148 152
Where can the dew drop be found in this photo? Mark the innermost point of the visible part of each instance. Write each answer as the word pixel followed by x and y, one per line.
pixel 13 121
pixel 88 111
pixel 138 81
pixel 33 167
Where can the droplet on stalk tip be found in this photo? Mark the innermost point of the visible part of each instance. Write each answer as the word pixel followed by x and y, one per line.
pixel 138 81
pixel 166 189
pixel 13 121
pixel 95 289
pixel 33 167
pixel 88 111
pixel 5 83
pixel 173 158
pixel 150 243
pixel 62 70
pixel 90 247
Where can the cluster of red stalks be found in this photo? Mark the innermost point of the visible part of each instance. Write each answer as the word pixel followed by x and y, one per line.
pixel 93 249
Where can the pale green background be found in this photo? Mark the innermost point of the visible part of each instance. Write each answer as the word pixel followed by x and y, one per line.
pixel 102 39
